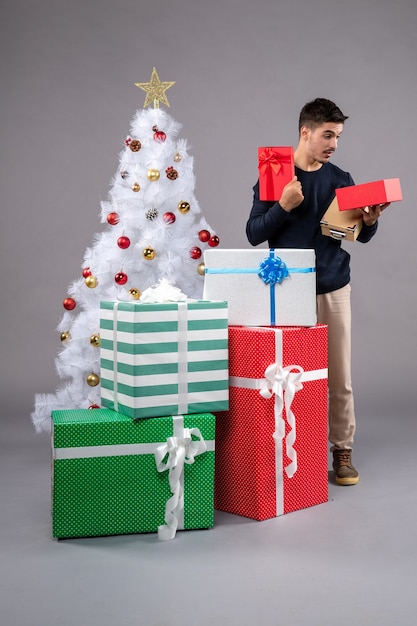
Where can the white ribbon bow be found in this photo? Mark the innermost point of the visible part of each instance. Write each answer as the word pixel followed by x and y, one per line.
pixel 163 291
pixel 283 382
pixel 178 450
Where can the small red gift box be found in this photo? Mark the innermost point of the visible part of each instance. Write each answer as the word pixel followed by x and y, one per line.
pixel 272 443
pixel 276 169
pixel 367 194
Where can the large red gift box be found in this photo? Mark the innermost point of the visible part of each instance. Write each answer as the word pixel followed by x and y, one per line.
pixel 276 169
pixel 272 443
pixel 368 194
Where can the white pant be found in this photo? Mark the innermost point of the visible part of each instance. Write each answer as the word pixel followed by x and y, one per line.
pixel 334 309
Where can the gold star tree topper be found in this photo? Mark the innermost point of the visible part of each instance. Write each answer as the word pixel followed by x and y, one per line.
pixel 155 90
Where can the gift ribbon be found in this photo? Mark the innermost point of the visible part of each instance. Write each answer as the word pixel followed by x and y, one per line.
pixel 269 163
pixel 271 270
pixel 182 357
pixel 182 343
pixel 283 383
pixel 178 450
pixel 115 377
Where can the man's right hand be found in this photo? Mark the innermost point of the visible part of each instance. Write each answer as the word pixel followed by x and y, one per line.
pixel 292 195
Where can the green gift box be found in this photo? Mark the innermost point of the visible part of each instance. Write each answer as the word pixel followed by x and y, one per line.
pixel 112 475
pixel 164 359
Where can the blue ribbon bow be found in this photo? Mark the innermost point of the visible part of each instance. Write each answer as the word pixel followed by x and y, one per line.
pixel 273 270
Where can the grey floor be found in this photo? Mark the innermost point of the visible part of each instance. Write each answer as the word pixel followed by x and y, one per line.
pixel 351 561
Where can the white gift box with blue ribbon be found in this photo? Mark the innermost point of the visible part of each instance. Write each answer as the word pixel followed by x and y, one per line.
pixel 275 287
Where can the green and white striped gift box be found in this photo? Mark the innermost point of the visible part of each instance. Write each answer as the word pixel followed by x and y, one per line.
pixel 164 359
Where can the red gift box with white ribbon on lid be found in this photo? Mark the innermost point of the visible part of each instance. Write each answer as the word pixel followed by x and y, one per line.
pixel 272 443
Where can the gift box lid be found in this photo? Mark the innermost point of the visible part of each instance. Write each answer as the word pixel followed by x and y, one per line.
pixel 192 305
pixel 367 194
pixel 104 427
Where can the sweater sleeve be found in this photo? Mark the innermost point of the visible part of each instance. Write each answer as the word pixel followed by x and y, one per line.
pixel 265 218
pixel 367 232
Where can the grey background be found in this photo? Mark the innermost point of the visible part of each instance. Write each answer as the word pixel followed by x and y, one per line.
pixel 242 70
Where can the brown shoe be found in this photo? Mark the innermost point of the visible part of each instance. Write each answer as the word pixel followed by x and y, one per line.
pixel 344 472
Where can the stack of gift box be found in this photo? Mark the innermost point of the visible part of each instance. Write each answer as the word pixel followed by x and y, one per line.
pixel 145 462
pixel 245 367
pixel 271 444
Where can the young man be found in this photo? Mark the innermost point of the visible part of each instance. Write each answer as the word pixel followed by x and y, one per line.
pixel 294 222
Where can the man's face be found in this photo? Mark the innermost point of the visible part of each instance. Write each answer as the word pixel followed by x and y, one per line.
pixel 321 142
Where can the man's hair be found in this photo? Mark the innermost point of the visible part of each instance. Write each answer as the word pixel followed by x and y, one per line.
pixel 320 111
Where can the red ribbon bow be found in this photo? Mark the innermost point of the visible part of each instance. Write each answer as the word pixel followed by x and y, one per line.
pixel 270 161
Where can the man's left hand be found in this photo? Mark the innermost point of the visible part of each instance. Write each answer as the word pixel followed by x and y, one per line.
pixel 371 213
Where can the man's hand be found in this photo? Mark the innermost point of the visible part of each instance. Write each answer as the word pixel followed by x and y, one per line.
pixel 292 195
pixel 371 213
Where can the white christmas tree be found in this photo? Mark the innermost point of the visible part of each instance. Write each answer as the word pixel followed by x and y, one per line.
pixel 154 230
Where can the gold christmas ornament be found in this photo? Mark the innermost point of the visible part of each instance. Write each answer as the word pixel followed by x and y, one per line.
pixel 65 335
pixel 95 340
pixel 91 282
pixel 177 157
pixel 153 174
pixel 155 90
pixel 184 207
pixel 201 269
pixel 135 187
pixel 148 253
pixel 93 380
pixel 135 293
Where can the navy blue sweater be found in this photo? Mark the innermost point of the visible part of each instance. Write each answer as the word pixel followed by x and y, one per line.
pixel 300 228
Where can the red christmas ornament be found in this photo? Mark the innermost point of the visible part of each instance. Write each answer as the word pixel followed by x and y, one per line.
pixel 87 272
pixel 159 136
pixel 69 304
pixel 113 218
pixel 204 235
pixel 168 217
pixel 195 253
pixel 120 278
pixel 214 241
pixel 123 242
pixel 94 406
